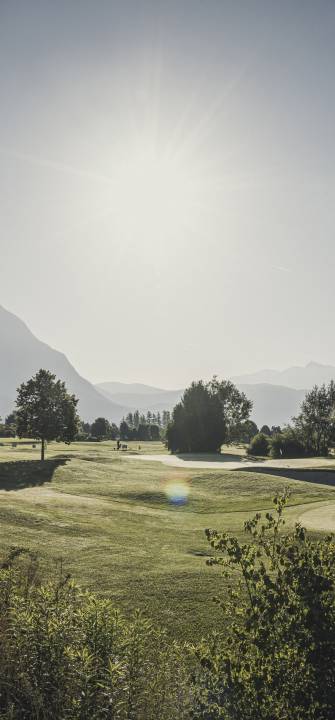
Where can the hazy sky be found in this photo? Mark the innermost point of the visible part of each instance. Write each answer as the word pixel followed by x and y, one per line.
pixel 167 190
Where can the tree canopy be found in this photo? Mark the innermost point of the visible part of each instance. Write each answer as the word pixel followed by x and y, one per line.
pixel 316 422
pixel 45 410
pixel 207 416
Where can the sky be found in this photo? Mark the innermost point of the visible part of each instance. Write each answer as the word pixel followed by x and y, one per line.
pixel 167 183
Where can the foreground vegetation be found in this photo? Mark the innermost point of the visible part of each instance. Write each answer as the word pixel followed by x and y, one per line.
pixel 112 521
pixel 68 654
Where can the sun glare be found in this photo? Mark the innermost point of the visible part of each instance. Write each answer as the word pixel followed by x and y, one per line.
pixel 152 191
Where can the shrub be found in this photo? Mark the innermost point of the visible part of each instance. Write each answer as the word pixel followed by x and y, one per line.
pixel 259 445
pixel 277 661
pixel 286 444
pixel 68 655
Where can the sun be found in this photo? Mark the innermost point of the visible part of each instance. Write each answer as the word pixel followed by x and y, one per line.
pixel 152 191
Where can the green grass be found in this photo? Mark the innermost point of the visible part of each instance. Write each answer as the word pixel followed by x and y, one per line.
pixel 110 520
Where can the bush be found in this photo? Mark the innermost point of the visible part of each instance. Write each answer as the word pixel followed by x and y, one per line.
pixel 287 445
pixel 277 661
pixel 68 655
pixel 259 445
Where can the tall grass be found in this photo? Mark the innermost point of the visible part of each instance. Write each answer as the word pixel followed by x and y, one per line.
pixel 65 653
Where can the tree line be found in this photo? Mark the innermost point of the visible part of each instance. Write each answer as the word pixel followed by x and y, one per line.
pixel 311 433
pixel 208 415
pixel 211 414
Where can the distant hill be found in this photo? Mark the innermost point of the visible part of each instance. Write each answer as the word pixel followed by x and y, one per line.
pixel 293 377
pixel 136 396
pixel 22 355
pixel 273 404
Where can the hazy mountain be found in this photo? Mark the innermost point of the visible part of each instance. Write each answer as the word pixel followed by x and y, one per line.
pixel 273 404
pixel 294 377
pixel 113 388
pixel 139 396
pixel 22 355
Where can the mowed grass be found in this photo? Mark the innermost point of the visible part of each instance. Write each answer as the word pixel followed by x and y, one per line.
pixel 109 518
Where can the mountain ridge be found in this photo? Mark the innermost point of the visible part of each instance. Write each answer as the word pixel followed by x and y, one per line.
pixel 297 377
pixel 23 354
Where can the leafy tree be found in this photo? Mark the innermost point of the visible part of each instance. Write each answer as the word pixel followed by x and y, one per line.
pixel 166 418
pixel 130 420
pixel 265 430
pixel 154 432
pixel 113 431
pixel 276 659
pixel 316 422
pixel 286 444
pixel 136 419
pixel 247 430
pixel 143 432
pixel 124 430
pixel 197 421
pixel 45 410
pixel 259 445
pixel 236 407
pixel 100 428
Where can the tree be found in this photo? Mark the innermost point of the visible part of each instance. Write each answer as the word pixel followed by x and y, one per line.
pixel 286 444
pixel 277 655
pixel 124 430
pixel 197 421
pixel 130 420
pixel 316 422
pixel 259 445
pixel 154 432
pixel 166 418
pixel 45 410
pixel 265 430
pixel 100 428
pixel 236 407
pixel 113 431
pixel 136 419
pixel 247 430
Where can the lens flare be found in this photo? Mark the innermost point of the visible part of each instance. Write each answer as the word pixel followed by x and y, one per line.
pixel 177 492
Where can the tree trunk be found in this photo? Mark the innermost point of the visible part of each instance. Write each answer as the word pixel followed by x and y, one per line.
pixel 42 449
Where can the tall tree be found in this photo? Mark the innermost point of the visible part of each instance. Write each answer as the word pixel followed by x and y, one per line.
pixel 100 428
pixel 208 415
pixel 197 422
pixel 124 430
pixel 45 410
pixel 316 422
pixel 236 407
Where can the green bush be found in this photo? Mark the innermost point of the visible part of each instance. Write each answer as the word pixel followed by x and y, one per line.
pixel 65 654
pixel 286 444
pixel 277 659
pixel 259 445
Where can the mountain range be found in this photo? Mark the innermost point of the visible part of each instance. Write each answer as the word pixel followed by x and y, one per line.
pixel 22 355
pixel 296 377
pixel 141 397
pixel 276 394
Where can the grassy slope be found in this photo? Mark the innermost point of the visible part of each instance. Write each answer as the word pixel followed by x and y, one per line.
pixel 110 520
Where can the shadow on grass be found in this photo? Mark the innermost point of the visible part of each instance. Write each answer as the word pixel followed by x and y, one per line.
pixel 318 477
pixel 20 474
